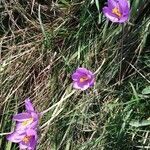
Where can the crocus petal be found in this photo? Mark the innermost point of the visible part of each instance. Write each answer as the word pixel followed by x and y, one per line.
pixel 34 125
pixel 90 75
pixel 35 115
pixel 90 72
pixel 86 84
pixel 31 132
pixel 109 15
pixel 76 86
pixel 82 71
pixel 15 137
pixel 28 105
pixel 124 4
pixel 112 3
pixel 82 87
pixel 32 122
pixel 33 142
pixel 22 117
pixel 22 145
pixel 20 128
pixel 91 83
pixel 75 76
pixel 123 19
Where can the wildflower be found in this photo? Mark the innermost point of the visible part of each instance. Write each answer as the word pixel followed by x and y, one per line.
pixel 83 79
pixel 27 139
pixel 28 119
pixel 117 10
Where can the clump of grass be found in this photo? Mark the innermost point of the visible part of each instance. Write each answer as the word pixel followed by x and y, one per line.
pixel 40 46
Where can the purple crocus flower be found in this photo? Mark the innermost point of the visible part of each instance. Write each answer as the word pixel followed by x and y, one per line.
pixel 117 10
pixel 28 119
pixel 83 79
pixel 27 139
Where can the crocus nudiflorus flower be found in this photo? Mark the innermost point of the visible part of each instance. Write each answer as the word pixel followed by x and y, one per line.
pixel 27 139
pixel 82 79
pixel 117 10
pixel 28 119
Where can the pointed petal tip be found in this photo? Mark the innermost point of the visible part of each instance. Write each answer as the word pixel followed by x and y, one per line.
pixel 27 99
pixel 14 137
pixel 28 105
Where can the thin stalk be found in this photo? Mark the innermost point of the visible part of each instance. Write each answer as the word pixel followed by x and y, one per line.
pixel 121 51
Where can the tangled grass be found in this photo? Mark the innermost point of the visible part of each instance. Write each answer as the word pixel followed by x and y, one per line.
pixel 43 42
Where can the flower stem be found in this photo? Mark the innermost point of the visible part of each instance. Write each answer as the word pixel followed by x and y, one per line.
pixel 121 52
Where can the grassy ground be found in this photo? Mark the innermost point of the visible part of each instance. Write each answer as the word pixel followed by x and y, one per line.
pixel 40 47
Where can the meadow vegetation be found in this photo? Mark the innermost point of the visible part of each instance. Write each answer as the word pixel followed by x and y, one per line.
pixel 42 42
